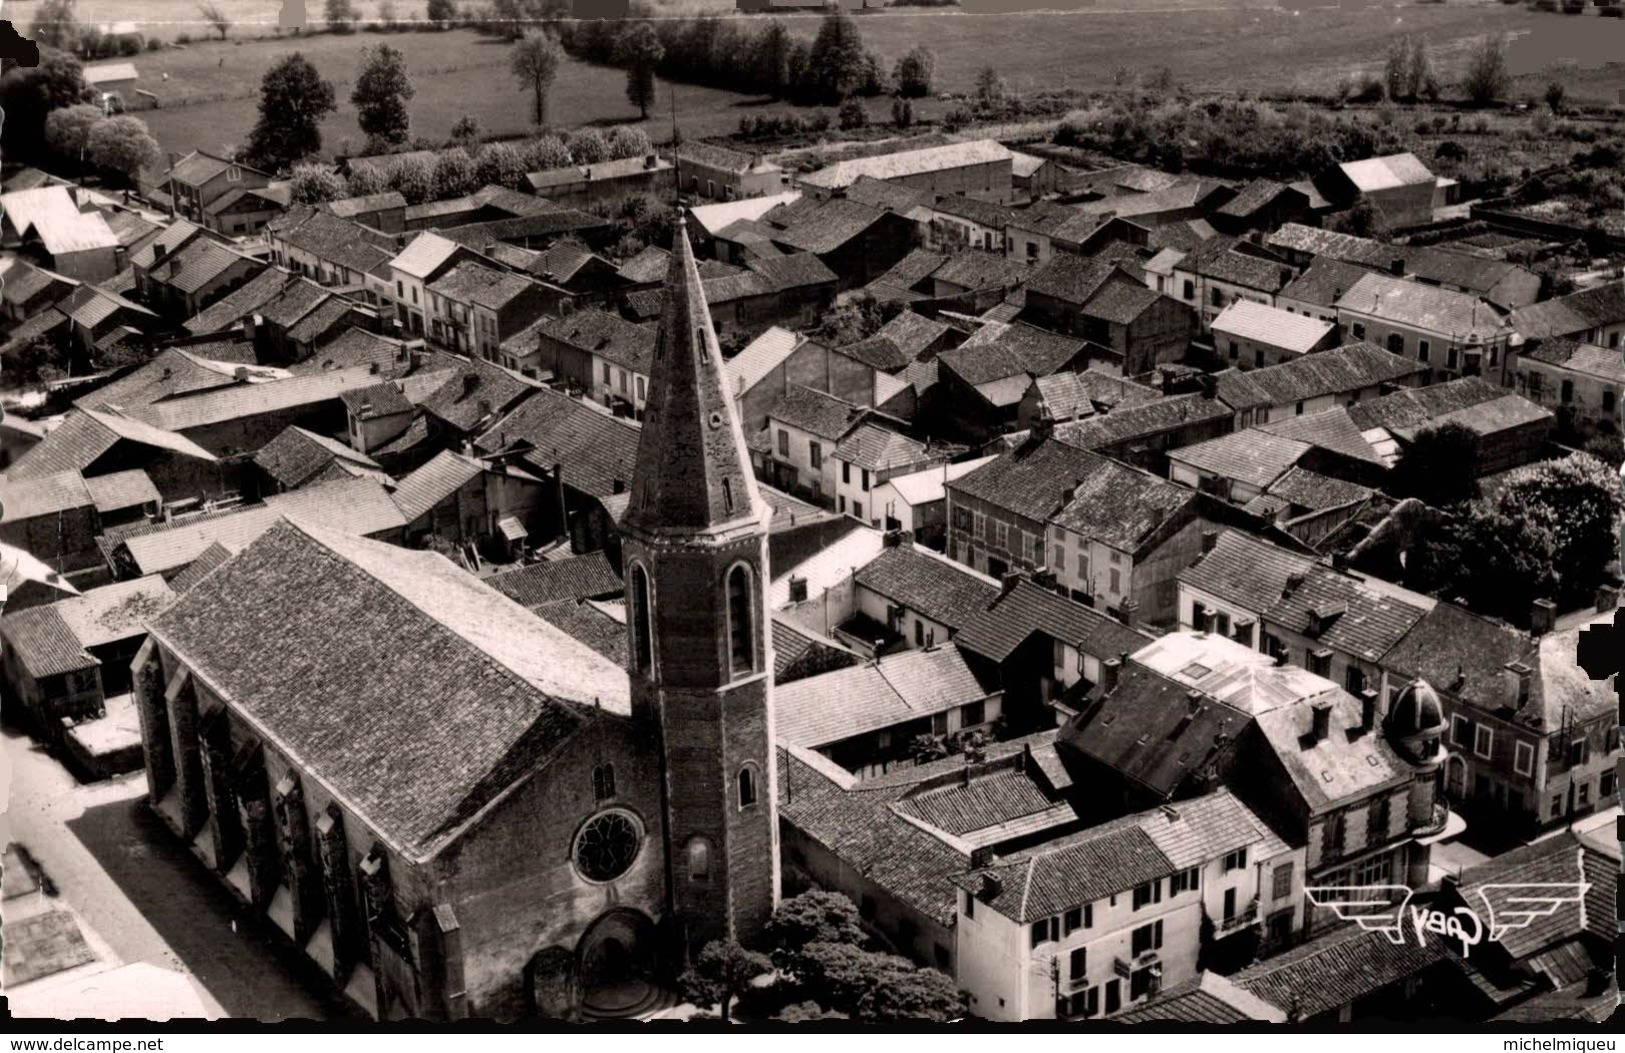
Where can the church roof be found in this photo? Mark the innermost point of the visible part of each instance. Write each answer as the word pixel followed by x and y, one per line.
pixel 378 647
pixel 693 468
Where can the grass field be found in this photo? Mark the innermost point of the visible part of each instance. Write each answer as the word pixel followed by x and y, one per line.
pixel 210 96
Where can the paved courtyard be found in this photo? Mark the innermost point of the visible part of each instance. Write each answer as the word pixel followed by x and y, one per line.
pixel 145 899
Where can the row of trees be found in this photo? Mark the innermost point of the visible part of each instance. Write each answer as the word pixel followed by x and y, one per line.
pixel 462 170
pixel 817 963
pixel 83 135
pixel 51 113
pixel 730 54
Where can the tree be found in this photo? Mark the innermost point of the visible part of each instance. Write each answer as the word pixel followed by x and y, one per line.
pixel 1554 96
pixel 1440 467
pixel 536 60
pixel 772 58
pixel 442 12
pixel 314 184
pixel 67 131
pixel 640 52
pixel 902 113
pixel 454 175
pixel 852 115
pixel 836 65
pixel 499 164
pixel 33 364
pixel 1578 500
pixel 1396 70
pixel 815 917
pixel 1365 220
pixel 341 16
pixel 722 971
pixel 1487 79
pixel 911 996
pixel 467 129
pixel 380 97
pixel 1422 83
pixel 915 72
pixel 386 14
pixel 215 17
pixel 367 181
pixel 124 146
pixel 927 748
pixel 588 147
pixel 858 319
pixel 545 153
pixel 414 178
pixel 294 98
pixel 624 140
pixel 806 1013
pixel 28 95
pixel 56 25
pixel 990 91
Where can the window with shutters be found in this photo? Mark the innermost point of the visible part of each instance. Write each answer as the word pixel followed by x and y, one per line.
pixel 1282 881
pixel 1145 939
pixel 815 452
pixel 1147 894
pixel 1235 860
pixel 1078 966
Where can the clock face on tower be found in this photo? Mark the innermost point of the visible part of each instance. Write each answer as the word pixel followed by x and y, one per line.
pixel 607 846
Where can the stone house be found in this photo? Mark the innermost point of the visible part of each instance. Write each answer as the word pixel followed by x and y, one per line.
pixel 197 180
pixel 1580 383
pixel 718 173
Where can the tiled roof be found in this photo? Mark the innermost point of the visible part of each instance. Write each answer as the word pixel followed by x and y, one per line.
pixel 909 162
pixel 1031 481
pixel 911 270
pixel 328 237
pixel 1574 314
pixel 1254 196
pixel 585 577
pixel 1458 316
pixel 1331 429
pixel 987 799
pixel 1121 303
pixel 55 638
pixel 1071 279
pixel 814 412
pixel 883 194
pixel 331 312
pixel 196 265
pixel 928 583
pixel 1149 730
pixel 721 157
pixel 172 372
pixel 626 344
pixel 798 654
pixel 245 300
pixel 1207 828
pixel 1333 970
pixel 1414 407
pixel 997 631
pixel 913 334
pixel 433 482
pixel 43 643
pixel 358 698
pixel 357 505
pixel 878 352
pixel 1271 325
pixel 1324 282
pixel 1246 571
pixel 424 254
pixel 24 281
pixel 1006 349
pixel 596 451
pixel 976 269
pixel 1121 507
pixel 90 306
pixel 374 400
pixel 1140 421
pixel 930 484
pixel 1076 870
pixel 42 495
pixel 1341 370
pixel 472 392
pixel 249 400
pixel 879 449
pixel 1347 764
pixel 296 455
pixel 1216 260
pixel 988 214
pixel 896 689
pixel 87 434
pixel 603 171
pixel 590 624
pixel 1606 364
pixel 350 207
pixel 647 266
pixel 1208 1000
pixel 120 490
pixel 1063 396
pixel 1373 618
pixel 1252 457
pixel 714 217
pixel 821 226
pixel 197 168
pixel 1311 490
pixel 296 299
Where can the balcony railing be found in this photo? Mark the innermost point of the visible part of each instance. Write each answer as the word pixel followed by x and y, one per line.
pixel 1237 921
pixel 1435 822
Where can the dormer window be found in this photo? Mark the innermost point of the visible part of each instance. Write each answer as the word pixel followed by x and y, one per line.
pixel 233 174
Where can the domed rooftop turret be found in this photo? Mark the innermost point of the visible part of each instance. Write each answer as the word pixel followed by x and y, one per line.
pixel 1416 711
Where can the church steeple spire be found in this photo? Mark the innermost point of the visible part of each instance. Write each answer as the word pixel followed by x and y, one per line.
pixel 693 469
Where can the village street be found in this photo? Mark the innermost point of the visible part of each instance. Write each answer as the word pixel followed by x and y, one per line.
pixel 145 897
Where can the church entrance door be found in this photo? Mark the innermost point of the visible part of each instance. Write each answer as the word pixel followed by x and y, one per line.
pixel 617 962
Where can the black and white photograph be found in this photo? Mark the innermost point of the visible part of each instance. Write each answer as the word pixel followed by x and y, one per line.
pixel 879 518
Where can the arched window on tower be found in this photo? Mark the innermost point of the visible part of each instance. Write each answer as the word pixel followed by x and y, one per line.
pixel 642 642
pixel 747 786
pixel 741 622
pixel 699 860
pixel 603 782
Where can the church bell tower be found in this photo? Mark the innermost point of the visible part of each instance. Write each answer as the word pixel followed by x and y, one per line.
pixel 694 552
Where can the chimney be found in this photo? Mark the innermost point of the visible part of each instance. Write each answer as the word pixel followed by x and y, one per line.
pixel 1193 701
pixel 1043 427
pixel 652 161
pixel 1210 539
pixel 1110 670
pixel 1294 582
pixel 1397 267
pixel 240 374
pixel 471 380
pixel 899 538
pixel 1044 578
pixel 1525 676
pixel 1542 618
pixel 1008 582
pixel 159 251
pixel 1322 728
pixel 1129 613
pixel 1368 709
pixel 1286 276
pixel 981 857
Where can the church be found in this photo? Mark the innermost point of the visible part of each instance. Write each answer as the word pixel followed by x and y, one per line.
pixel 454 808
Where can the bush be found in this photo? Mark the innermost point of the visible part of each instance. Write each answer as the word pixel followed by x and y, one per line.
pixel 853 116
pixel 467 129
pixel 454 175
pixel 588 147
pixel 183 39
pixel 624 140
pixel 902 113
pixel 955 119
pixel 500 164
pixel 414 177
